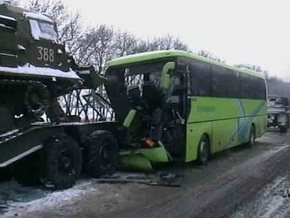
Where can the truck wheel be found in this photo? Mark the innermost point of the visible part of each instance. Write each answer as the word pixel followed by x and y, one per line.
pixel 100 153
pixel 62 161
pixel 283 129
pixel 27 170
pixel 203 151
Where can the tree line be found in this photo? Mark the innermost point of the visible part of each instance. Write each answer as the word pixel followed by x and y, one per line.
pixel 98 44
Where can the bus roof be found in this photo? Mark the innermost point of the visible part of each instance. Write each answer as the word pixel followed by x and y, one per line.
pixel 153 55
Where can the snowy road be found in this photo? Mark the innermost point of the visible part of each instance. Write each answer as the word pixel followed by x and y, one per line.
pixel 238 183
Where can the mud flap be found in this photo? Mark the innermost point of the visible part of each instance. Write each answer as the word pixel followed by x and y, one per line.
pixel 143 159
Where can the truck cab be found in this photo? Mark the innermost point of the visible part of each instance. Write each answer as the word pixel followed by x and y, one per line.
pixel 278 113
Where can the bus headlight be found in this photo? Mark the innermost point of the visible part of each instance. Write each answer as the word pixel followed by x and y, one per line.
pixel 282 118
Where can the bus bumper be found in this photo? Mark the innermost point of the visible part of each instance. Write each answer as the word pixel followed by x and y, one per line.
pixel 143 159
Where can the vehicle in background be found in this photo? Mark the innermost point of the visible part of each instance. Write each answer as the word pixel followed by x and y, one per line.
pixel 176 105
pixel 278 113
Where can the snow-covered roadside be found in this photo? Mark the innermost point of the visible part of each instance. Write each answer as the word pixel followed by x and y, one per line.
pixel 50 200
pixel 270 202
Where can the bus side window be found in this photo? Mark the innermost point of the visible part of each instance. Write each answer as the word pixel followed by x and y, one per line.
pixel 231 83
pixel 245 88
pixel 218 74
pixel 260 88
pixel 200 79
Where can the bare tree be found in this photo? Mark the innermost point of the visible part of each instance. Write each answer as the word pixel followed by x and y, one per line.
pixel 210 55
pixel 125 44
pixel 160 43
pixel 167 42
pixel 97 46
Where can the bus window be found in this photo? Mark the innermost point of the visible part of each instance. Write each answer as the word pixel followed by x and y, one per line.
pixel 201 79
pixel 244 86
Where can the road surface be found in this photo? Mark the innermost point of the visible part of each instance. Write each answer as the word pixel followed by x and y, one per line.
pixel 238 183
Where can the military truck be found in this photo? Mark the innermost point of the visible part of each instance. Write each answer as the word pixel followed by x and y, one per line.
pixel 278 113
pixel 34 67
pixel 34 70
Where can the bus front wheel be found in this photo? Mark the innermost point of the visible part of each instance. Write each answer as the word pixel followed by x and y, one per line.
pixel 203 151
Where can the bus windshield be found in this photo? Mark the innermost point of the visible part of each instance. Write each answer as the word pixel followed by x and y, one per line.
pixel 135 75
pixel 124 79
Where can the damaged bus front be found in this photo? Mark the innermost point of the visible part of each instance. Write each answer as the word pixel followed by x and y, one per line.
pixel 149 100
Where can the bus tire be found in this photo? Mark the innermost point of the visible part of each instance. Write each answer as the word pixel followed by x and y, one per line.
pixel 252 137
pixel 62 161
pixel 203 151
pixel 100 154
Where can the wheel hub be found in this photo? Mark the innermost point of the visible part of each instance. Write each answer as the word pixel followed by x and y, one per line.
pixel 65 163
pixel 106 155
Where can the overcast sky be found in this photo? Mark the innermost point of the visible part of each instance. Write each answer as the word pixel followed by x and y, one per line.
pixel 239 31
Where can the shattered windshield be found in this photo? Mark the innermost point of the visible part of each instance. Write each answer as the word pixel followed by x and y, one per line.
pixel 136 75
pixel 42 29
pixel 126 78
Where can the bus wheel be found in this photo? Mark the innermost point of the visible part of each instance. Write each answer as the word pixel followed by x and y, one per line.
pixel 62 161
pixel 100 154
pixel 252 137
pixel 203 151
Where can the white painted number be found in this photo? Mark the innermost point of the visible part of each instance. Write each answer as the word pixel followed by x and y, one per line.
pixel 45 54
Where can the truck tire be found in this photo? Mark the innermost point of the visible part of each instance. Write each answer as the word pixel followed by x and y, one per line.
pixel 100 154
pixel 62 161
pixel 26 171
pixel 283 129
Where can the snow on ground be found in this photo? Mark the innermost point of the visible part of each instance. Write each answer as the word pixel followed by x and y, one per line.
pixel 270 202
pixel 17 203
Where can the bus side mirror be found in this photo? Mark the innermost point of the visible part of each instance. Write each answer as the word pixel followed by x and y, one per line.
pixel 165 76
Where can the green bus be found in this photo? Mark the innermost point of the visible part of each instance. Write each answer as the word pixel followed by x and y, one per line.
pixel 189 105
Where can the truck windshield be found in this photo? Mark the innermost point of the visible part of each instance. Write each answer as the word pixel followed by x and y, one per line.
pixel 42 29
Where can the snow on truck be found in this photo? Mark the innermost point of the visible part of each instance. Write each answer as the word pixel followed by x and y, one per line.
pixel 34 71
